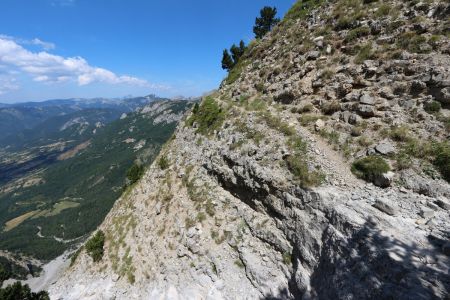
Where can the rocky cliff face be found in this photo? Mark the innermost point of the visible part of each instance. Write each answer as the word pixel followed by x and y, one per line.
pixel 258 201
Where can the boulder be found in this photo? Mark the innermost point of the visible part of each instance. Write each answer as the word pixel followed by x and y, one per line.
pixel 385 148
pixel 366 99
pixel 319 125
pixel 426 213
pixel 313 55
pixel 384 180
pixel 366 111
pixel 386 206
pixel 319 41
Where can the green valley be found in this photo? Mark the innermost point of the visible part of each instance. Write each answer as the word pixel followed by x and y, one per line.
pixel 52 207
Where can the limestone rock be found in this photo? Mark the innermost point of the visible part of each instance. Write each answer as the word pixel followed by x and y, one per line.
pixel 386 206
pixel 385 148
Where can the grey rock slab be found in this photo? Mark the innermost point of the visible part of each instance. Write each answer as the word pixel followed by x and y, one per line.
pixel 426 212
pixel 366 111
pixel 367 99
pixel 386 206
pixel 385 148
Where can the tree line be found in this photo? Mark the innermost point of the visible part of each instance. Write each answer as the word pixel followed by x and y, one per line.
pixel 263 25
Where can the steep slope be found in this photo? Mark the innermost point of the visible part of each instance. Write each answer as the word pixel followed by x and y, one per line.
pixel 55 207
pixel 256 198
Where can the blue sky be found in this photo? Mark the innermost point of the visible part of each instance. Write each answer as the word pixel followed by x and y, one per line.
pixel 53 49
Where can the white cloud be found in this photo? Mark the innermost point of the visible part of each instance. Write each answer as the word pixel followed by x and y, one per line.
pixel 44 45
pixel 7 84
pixel 36 42
pixel 49 68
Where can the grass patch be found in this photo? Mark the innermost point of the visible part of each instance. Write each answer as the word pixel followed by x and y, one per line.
pixel 370 167
pixel 209 116
pixel 400 133
pixel 442 159
pixel 432 107
pixel 163 162
pixel 74 256
pixel 357 33
pixel 411 41
pixel 365 53
pixel 301 9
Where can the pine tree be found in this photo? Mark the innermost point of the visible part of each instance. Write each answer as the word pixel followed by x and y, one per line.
pixel 237 51
pixel 266 22
pixel 227 61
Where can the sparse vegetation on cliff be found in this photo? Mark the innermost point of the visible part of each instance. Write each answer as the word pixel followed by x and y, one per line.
pixel 94 246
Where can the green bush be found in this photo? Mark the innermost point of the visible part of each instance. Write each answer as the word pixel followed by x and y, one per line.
pixel 17 291
pixel 369 167
pixel 432 107
pixel 163 162
pixel 209 116
pixel 135 173
pixel 94 247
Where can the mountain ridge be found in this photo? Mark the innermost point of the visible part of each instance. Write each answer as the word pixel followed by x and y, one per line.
pixel 303 176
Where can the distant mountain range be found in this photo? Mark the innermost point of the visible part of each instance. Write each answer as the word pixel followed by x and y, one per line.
pixel 15 118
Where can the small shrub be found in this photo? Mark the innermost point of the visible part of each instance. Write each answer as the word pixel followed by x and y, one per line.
pixel 411 41
pixel 75 255
pixel 400 133
pixel 364 53
pixel 17 291
pixel 239 263
pixel 307 108
pixel 432 107
pixel 330 108
pixel 307 119
pixel 442 159
pixel 94 247
pixel 287 258
pixel 135 173
pixel 356 33
pixel 301 9
pixel 365 141
pixel 163 162
pixel 403 161
pixel 383 10
pixel 299 168
pixel 209 116
pixel 370 167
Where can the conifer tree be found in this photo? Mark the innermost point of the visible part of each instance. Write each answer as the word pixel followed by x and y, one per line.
pixel 266 22
pixel 227 61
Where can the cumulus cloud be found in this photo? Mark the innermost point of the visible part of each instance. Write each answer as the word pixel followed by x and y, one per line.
pixel 49 68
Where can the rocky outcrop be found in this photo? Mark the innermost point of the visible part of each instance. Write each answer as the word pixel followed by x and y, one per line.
pixel 258 204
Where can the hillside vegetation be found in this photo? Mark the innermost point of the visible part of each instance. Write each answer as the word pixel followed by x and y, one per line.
pixel 57 205
pixel 318 170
